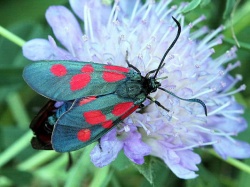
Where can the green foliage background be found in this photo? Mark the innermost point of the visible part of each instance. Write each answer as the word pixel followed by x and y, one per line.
pixel 20 165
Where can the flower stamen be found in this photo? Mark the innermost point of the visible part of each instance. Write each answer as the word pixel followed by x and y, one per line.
pixel 114 8
pixel 209 37
pixel 149 7
pixel 216 111
pixel 241 88
pixel 162 6
pixel 234 82
pixel 143 126
pixel 196 145
pixel 203 93
pixel 134 11
pixel 199 33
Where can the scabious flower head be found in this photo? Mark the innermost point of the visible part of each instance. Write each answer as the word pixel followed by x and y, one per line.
pixel 145 31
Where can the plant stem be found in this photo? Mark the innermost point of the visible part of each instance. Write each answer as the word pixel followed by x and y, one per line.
pixel 15 148
pixel 17 108
pixel 234 162
pixel 12 37
pixel 38 159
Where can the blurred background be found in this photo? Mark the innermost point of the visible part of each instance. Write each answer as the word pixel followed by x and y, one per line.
pixel 20 165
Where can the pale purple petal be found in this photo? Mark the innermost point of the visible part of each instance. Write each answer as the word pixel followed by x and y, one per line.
pixel 66 28
pixel 101 15
pixel 178 164
pixel 87 11
pixel 78 7
pixel 110 147
pixel 232 148
pixel 181 162
pixel 128 6
pixel 189 159
pixel 38 49
pixel 135 149
pixel 59 53
pixel 58 104
pixel 227 125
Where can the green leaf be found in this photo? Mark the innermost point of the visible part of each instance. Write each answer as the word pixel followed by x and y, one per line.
pixel 205 3
pixel 229 8
pixel 4 181
pixel 243 45
pixel 12 10
pixel 11 76
pixel 146 169
pixel 78 173
pixel 205 178
pixel 121 162
pixel 153 170
pixel 102 177
pixel 15 148
pixel 18 178
pixel 192 5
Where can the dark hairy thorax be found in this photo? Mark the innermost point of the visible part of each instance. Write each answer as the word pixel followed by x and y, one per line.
pixel 137 87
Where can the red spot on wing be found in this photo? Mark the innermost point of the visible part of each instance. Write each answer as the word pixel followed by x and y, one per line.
pixel 87 68
pixel 86 100
pixel 79 81
pixel 122 108
pixel 107 124
pixel 94 117
pixel 129 112
pixel 84 135
pixel 58 70
pixel 112 76
pixel 117 68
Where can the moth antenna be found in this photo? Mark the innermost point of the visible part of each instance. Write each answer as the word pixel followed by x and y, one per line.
pixel 152 71
pixel 189 100
pixel 170 47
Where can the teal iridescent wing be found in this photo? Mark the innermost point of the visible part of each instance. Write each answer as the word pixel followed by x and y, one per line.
pixel 69 80
pixel 89 119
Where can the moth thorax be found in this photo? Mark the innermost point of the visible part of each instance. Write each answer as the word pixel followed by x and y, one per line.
pixel 129 89
pixel 134 76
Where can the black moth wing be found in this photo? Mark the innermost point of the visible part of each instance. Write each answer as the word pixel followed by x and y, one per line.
pixel 41 129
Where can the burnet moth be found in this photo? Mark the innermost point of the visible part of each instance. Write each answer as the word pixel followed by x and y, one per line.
pixel 95 98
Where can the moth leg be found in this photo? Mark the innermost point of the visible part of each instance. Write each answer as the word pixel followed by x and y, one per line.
pixel 141 106
pixel 158 103
pixel 70 161
pixel 99 144
pixel 130 65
